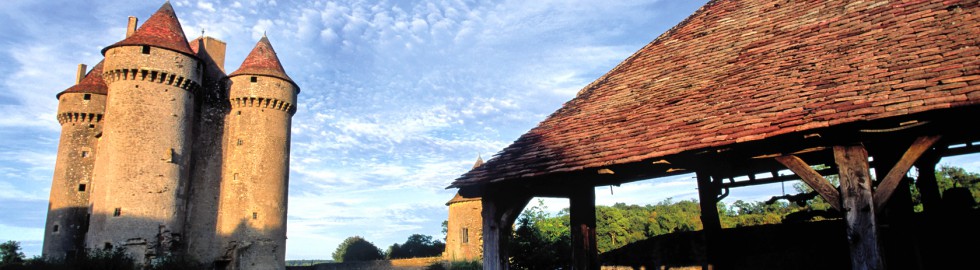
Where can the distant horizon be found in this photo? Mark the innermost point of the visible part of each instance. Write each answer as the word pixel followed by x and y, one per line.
pixel 398 99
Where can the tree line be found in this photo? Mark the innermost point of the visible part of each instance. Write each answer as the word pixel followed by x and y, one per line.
pixel 543 241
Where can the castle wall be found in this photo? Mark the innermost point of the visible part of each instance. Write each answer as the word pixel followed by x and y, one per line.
pixel 142 170
pixel 252 216
pixel 80 115
pixel 465 217
pixel 201 237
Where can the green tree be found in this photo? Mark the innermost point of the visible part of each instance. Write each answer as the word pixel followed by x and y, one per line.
pixel 416 246
pixel 355 248
pixel 541 241
pixel 10 253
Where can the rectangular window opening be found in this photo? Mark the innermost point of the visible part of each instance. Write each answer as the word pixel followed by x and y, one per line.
pixel 55 229
pixel 107 246
pixel 464 235
pixel 87 97
pixel 91 125
pixel 84 153
pixel 117 212
pixel 81 187
pixel 240 141
pixel 146 49
pixel 255 215
pixel 254 79
pixel 239 113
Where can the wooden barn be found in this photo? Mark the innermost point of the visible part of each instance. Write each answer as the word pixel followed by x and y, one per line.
pixel 752 87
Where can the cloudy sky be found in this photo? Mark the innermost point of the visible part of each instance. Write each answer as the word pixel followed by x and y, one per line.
pixel 398 97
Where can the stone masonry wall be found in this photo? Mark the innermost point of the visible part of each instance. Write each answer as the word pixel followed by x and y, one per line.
pixel 465 216
pixel 252 215
pixel 142 169
pixel 80 116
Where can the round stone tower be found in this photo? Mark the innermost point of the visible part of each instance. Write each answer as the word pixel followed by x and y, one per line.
pixel 255 176
pixel 142 170
pixel 80 111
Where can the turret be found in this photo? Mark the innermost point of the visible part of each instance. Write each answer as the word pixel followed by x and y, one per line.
pixel 464 235
pixel 142 171
pixel 80 113
pixel 255 177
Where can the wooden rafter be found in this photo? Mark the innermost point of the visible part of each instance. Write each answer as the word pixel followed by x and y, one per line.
pixel 894 176
pixel 812 178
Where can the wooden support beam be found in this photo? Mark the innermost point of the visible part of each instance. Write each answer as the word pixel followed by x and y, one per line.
pixel 888 184
pixel 708 195
pixel 859 208
pixel 926 181
pixel 585 254
pixel 499 214
pixel 813 179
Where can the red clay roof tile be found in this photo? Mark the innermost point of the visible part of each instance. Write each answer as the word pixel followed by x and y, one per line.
pixel 263 61
pixel 92 83
pixel 739 71
pixel 161 30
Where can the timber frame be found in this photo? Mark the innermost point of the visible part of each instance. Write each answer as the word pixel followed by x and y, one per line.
pixel 752 92
pixel 894 145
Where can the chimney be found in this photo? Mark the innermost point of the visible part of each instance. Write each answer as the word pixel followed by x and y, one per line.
pixel 131 27
pixel 80 74
pixel 216 49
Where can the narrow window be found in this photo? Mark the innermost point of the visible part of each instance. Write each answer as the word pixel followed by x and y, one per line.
pixel 87 97
pixel 107 246
pixel 81 187
pixel 465 235
pixel 239 113
pixel 240 141
pixel 55 229
pixel 91 125
pixel 146 49
pixel 84 153
pixel 117 212
pixel 255 79
pixel 255 215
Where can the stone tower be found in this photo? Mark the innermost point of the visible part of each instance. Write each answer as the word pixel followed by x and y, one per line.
pixel 163 153
pixel 464 235
pixel 142 170
pixel 80 113
pixel 255 176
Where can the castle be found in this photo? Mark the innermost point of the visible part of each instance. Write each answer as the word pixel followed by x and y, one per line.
pixel 162 153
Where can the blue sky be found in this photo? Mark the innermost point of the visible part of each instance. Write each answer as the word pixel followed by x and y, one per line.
pixel 398 97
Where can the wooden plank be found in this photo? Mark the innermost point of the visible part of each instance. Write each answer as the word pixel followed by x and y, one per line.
pixel 812 178
pixel 888 184
pixel 585 254
pixel 858 205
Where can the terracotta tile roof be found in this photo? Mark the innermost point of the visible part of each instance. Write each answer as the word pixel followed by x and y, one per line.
pixel 263 61
pixel 459 198
pixel 161 30
pixel 740 71
pixel 92 83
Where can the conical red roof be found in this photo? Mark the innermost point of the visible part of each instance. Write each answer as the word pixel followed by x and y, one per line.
pixel 92 83
pixel 263 61
pixel 161 30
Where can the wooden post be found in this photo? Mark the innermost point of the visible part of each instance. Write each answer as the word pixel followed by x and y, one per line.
pixel 926 182
pixel 859 207
pixel 499 214
pixel 585 254
pixel 708 196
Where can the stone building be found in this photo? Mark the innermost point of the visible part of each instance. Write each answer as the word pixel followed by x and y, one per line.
pixel 464 236
pixel 162 153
